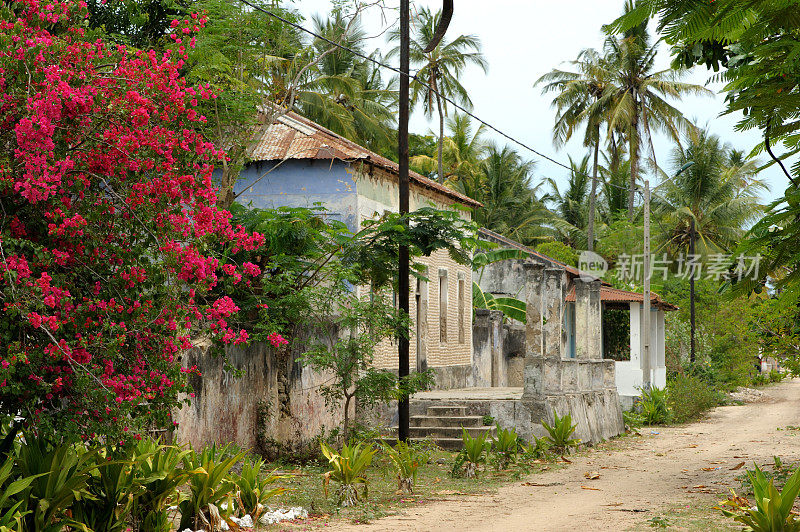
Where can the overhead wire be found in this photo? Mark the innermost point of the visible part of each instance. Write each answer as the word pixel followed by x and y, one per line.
pixel 427 86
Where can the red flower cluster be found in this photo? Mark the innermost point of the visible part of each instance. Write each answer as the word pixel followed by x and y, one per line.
pixel 108 215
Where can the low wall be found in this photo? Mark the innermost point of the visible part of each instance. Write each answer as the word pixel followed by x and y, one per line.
pixel 273 406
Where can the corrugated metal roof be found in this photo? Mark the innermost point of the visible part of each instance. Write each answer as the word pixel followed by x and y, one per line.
pixel 295 137
pixel 615 295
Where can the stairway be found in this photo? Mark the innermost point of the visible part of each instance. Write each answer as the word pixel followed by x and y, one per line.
pixel 443 424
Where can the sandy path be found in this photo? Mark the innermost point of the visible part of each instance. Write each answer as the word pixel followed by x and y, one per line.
pixel 655 473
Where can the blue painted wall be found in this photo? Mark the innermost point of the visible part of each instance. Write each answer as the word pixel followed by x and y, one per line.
pixel 301 183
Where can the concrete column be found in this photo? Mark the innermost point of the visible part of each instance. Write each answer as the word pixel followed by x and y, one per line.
pixel 481 349
pixel 595 322
pixel 636 334
pixel 533 383
pixel 552 328
pixel 583 341
pixel 496 341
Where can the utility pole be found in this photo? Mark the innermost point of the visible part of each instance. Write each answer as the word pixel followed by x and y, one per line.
pixel 647 369
pixel 402 146
pixel 691 293
pixel 403 268
pixel 647 374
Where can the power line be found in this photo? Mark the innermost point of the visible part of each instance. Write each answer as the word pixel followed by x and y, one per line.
pixel 415 78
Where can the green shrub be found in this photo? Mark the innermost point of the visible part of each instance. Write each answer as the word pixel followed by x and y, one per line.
pixel 653 407
pixel 348 467
pixel 405 460
pixel 560 433
pixel 160 474
pixel 538 449
pixel 472 455
pixel 506 446
pixel 773 508
pixel 11 513
pixel 760 379
pixel 61 477
pixel 775 376
pixel 254 488
pixel 690 397
pixel 209 487
pixel 488 420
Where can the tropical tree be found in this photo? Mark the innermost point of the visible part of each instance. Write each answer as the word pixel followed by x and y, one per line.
pixel 576 103
pixel 706 208
pixel 637 100
pixel 438 71
pixel 510 204
pixel 341 91
pixel 571 206
pixel 463 151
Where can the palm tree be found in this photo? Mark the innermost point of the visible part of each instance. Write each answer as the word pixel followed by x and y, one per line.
pixel 578 94
pixel 510 205
pixel 340 91
pixel 439 70
pixel 571 205
pixel 463 151
pixel 637 98
pixel 709 204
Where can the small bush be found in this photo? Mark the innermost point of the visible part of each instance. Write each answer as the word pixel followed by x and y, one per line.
pixel 538 449
pixel 347 469
pixel 560 433
pixel 689 397
pixel 775 376
pixel 760 379
pixel 506 446
pixel 473 454
pixel 488 420
pixel 653 407
pixel 405 460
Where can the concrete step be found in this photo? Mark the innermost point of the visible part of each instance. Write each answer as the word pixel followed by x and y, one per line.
pixel 447 410
pixel 448 444
pixel 446 421
pixel 447 432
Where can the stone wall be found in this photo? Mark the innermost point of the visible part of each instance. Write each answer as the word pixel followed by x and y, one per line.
pixel 274 405
pixel 498 347
pixel 583 387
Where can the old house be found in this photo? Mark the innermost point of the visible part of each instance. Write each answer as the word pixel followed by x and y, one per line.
pixel 483 364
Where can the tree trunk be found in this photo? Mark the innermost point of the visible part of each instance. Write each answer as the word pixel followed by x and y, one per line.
pixel 593 196
pixel 346 429
pixel 691 293
pixel 441 138
pixel 633 143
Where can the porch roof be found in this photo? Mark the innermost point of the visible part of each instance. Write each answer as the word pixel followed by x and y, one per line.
pixel 615 297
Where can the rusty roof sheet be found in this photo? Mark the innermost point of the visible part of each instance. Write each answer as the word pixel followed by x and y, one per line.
pixel 609 294
pixel 295 137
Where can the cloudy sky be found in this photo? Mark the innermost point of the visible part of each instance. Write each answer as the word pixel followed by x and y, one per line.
pixel 523 40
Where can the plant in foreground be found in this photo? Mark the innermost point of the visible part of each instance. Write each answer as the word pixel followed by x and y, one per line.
pixel 254 488
pixel 506 445
pixel 773 509
pixel 536 450
pixel 405 460
pixel 560 433
pixel 348 466
pixel 159 473
pixel 209 486
pixel 653 407
pixel 473 454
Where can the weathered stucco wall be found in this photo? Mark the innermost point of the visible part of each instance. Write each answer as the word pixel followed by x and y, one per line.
pixel 301 183
pixel 274 405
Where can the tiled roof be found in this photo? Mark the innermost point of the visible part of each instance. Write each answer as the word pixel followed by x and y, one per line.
pixel 295 137
pixel 615 295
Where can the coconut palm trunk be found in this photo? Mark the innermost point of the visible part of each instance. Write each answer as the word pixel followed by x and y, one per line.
pixel 593 195
pixel 691 293
pixel 633 143
pixel 441 138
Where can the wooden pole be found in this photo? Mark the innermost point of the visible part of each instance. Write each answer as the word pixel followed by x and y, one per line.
pixel 647 380
pixel 403 269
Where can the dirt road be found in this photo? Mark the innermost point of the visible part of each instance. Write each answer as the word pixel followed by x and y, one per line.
pixel 669 476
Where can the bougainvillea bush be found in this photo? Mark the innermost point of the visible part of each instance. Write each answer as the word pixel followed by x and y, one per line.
pixel 107 226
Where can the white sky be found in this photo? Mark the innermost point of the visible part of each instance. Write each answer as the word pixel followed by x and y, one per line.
pixel 523 40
